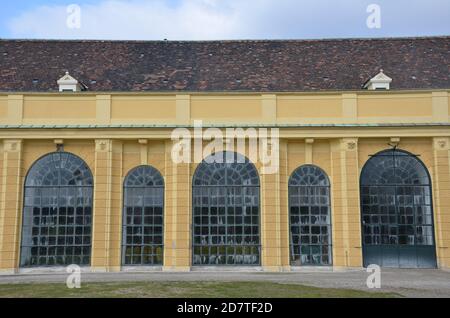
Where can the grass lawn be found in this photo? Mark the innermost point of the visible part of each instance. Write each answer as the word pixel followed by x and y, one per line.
pixel 180 289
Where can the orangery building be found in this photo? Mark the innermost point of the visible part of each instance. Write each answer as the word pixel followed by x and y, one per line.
pixel 360 141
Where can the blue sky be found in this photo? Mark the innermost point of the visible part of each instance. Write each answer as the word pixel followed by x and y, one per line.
pixel 222 19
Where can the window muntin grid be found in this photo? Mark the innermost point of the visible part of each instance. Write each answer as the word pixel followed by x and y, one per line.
pixel 396 202
pixel 310 217
pixel 142 242
pixel 234 169
pixel 57 213
pixel 226 213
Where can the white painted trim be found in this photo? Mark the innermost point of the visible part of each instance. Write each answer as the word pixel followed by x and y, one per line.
pixel 137 269
pixel 227 269
pixel 68 83
pixel 50 270
pixel 379 81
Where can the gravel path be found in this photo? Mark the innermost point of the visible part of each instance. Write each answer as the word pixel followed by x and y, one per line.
pixel 410 283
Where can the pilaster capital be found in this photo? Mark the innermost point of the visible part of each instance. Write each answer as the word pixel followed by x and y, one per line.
pixel 103 145
pixel 346 144
pixel 12 145
pixel 441 143
pixel 103 97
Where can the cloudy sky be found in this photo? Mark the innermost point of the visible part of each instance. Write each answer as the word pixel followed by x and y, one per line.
pixel 220 19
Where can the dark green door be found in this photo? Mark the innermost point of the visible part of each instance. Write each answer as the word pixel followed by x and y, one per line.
pixel 397 212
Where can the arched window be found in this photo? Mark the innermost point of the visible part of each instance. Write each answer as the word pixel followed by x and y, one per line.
pixel 142 242
pixel 226 212
pixel 310 217
pixel 57 213
pixel 397 214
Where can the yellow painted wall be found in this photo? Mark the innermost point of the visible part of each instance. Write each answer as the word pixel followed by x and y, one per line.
pixel 137 109
pixel 244 108
pixel 448 109
pixel 3 106
pixel 225 108
pixel 403 107
pixel 47 109
pixel 112 153
pixel 300 108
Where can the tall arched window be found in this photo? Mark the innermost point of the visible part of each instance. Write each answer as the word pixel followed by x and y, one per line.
pixel 57 213
pixel 310 217
pixel 397 214
pixel 142 241
pixel 226 212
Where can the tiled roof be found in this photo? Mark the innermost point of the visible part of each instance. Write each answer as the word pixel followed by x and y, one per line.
pixel 260 66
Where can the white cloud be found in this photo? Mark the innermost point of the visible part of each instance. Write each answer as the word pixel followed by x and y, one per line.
pixel 135 19
pixel 226 19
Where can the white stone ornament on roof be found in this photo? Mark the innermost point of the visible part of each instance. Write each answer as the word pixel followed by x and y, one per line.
pixel 68 83
pixel 379 81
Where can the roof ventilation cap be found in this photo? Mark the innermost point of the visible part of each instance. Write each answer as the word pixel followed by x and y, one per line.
pixel 69 84
pixel 378 82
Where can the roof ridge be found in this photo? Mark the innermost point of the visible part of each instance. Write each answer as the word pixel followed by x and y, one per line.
pixel 236 40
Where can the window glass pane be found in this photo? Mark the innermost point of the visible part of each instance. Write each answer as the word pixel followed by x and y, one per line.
pixel 396 200
pixel 142 242
pixel 57 212
pixel 226 212
pixel 310 217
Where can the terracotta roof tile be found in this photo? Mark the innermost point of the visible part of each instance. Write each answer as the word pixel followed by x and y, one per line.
pixel 261 66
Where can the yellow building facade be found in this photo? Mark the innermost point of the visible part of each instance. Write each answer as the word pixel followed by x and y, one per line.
pixel 113 133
